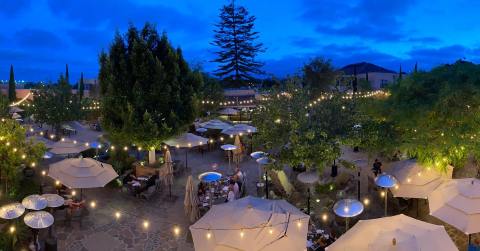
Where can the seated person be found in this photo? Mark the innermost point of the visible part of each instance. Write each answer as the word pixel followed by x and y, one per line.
pixel 235 188
pixel 239 176
pixel 130 179
pixel 231 193
pixel 202 189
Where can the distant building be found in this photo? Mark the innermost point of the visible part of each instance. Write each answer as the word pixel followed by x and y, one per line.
pixel 378 77
pixel 239 98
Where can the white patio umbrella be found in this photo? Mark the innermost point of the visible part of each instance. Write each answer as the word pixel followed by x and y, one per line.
pixel 191 201
pixel 186 140
pixel 38 220
pixel 16 116
pixel 414 180
pixel 15 109
pixel 394 233
pixel 215 124
pixel 457 202
pixel 251 224
pixel 228 111
pixel 67 146
pixel 239 129
pixel 82 173
pixel 34 202
pixel 12 211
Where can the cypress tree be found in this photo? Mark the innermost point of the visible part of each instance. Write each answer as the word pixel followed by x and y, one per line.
pixel 12 96
pixel 400 73
pixel 81 86
pixel 237 49
pixel 67 80
pixel 415 69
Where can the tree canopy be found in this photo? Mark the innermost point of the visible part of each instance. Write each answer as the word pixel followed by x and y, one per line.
pixel 237 47
pixel 55 104
pixel 148 91
pixel 437 114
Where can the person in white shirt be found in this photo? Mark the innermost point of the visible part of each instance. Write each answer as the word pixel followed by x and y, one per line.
pixel 231 194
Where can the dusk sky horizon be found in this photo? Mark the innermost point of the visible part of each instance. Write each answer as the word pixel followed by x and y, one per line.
pixel 40 37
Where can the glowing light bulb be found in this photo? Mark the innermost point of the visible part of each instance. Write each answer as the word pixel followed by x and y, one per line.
pixel 366 201
pixel 33 164
pixel 11 229
pixel 118 215
pixel 299 223
pixel 317 200
pixel 409 180
pixel 44 173
pixel 57 182
pixel 146 224
pixel 176 230
pixel 75 142
pixel 242 233
pixel 382 194
pixel 346 209
pixel 74 193
pixel 24 156
pixel 324 217
pixel 139 148
pixel 125 148
pixel 209 235
pixel 112 148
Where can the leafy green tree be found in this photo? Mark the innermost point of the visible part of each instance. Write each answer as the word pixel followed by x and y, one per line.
pixel 55 104
pixel 4 106
pixel 298 131
pixel 149 92
pixel 237 47
pixel 437 114
pixel 319 76
pixel 12 95
pixel 81 87
pixel 16 151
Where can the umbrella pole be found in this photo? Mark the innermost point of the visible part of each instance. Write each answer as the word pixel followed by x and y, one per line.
pixel 186 158
pixel 308 201
pixel 358 185
pixel 386 197
pixel 469 239
pixel 170 190
pixel 346 224
pixel 266 183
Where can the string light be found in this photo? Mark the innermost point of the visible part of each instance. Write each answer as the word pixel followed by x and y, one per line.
pixel 44 173
pixel 209 235
pixel 324 217
pixel 11 229
pixel 176 230
pixel 146 224
pixel 93 204
pixel 242 233
pixel 117 215
pixel 382 194
pixel 366 201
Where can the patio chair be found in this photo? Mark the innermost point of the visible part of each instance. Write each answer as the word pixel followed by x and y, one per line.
pixel 148 193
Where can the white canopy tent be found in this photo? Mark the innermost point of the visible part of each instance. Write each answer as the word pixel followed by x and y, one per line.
pixel 67 147
pixel 186 140
pixel 457 202
pixel 416 181
pixel 229 111
pixel 395 233
pixel 215 124
pixel 82 173
pixel 240 129
pixel 251 224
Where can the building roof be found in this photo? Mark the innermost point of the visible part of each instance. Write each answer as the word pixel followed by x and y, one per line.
pixel 364 67
pixel 239 92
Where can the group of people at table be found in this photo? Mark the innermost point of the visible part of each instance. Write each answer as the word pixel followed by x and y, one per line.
pixel 227 189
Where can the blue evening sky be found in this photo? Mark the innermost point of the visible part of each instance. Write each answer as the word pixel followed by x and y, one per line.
pixel 40 36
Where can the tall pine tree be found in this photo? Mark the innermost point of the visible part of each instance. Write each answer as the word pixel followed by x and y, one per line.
pixel 237 46
pixel 12 95
pixel 81 86
pixel 67 79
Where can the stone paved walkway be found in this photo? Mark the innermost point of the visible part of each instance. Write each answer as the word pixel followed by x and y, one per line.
pixel 101 231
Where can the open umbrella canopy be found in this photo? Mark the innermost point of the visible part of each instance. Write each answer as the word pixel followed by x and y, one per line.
pixel 67 146
pixel 53 200
pixel 38 220
pixel 385 180
pixel 395 233
pixel 228 147
pixel 251 224
pixel 457 202
pixel 12 211
pixel 15 109
pixel 82 173
pixel 309 177
pixel 228 111
pixel 258 155
pixel 16 116
pixel 34 202
pixel 239 129
pixel 215 124
pixel 186 140
pixel 414 180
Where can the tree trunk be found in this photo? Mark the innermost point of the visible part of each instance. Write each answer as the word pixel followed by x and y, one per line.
pixel 151 156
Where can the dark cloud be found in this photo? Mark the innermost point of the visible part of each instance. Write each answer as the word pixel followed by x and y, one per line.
pixel 115 14
pixel 366 19
pixel 35 38
pixel 424 40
